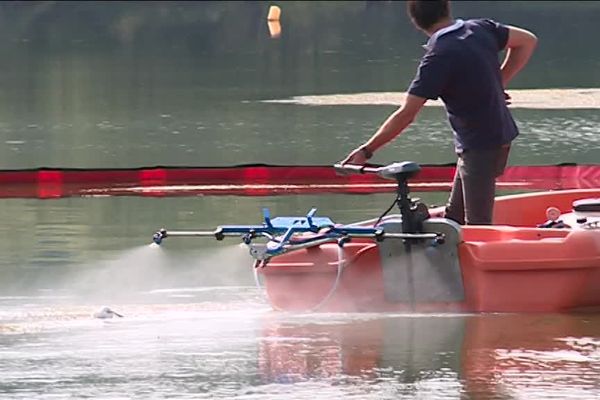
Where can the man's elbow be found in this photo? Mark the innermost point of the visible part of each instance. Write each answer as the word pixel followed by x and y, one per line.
pixel 405 116
pixel 411 108
pixel 410 118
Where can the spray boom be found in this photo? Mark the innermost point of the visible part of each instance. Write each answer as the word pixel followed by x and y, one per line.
pixel 286 234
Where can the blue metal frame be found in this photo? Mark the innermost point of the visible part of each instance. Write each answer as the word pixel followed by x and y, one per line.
pixel 286 227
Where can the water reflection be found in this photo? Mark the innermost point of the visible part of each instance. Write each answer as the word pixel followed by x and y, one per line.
pixel 230 345
pixel 485 356
pixel 404 348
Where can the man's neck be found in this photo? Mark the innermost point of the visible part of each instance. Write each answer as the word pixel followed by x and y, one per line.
pixel 441 24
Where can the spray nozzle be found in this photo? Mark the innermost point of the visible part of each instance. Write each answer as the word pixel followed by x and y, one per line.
pixel 159 236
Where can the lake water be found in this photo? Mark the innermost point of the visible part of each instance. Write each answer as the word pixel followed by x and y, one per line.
pixel 97 85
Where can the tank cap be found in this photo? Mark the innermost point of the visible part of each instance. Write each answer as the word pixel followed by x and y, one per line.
pixel 552 213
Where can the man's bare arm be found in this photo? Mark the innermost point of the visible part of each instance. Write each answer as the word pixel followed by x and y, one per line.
pixel 520 46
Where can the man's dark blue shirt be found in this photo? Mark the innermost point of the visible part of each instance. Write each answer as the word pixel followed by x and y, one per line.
pixel 461 67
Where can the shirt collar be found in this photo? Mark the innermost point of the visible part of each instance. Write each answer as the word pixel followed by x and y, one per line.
pixel 440 32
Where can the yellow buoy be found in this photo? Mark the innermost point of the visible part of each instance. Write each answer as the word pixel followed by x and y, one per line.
pixel 274 13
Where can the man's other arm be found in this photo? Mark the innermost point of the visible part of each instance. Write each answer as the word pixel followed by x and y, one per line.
pixel 519 48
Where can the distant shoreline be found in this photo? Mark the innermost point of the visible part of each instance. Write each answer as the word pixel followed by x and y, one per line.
pixel 574 98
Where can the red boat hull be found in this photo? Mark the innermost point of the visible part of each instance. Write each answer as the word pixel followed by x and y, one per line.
pixel 511 266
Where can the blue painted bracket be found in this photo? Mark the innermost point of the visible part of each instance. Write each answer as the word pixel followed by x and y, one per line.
pixel 286 227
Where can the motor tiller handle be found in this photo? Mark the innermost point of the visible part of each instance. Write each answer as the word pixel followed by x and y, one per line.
pixel 346 169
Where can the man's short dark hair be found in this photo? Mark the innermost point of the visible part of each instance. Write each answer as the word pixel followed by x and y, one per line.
pixel 425 13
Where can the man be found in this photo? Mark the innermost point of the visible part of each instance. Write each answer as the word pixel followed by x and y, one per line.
pixel 461 67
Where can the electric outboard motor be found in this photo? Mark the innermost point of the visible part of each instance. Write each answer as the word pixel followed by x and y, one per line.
pixel 425 271
pixel 418 270
pixel 400 171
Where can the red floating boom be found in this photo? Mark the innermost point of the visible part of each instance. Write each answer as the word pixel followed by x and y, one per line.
pixel 266 180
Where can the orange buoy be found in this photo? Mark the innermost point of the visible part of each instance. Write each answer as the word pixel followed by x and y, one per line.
pixel 273 21
pixel 274 29
pixel 274 13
